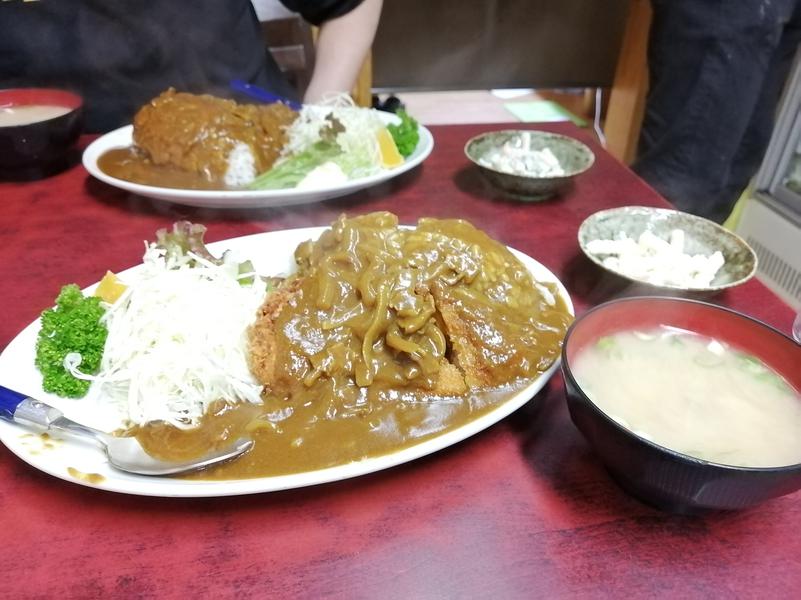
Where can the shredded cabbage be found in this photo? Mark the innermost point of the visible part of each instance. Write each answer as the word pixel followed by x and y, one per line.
pixel 335 123
pixel 357 138
pixel 177 339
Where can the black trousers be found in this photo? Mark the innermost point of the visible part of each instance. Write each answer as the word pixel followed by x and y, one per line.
pixel 717 69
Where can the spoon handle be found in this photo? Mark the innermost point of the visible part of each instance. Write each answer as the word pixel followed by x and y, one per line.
pixel 262 95
pixel 17 407
pixel 9 400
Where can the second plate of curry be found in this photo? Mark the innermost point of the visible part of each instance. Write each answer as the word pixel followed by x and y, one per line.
pixel 122 139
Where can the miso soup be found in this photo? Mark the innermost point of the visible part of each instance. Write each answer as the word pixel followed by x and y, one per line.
pixel 694 395
pixel 26 114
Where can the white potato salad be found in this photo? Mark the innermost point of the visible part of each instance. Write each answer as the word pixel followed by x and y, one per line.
pixel 516 156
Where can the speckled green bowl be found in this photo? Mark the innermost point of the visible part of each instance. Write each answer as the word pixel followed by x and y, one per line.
pixel 573 156
pixel 701 236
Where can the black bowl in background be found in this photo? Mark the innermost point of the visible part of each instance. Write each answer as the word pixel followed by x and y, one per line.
pixel 40 144
pixel 657 475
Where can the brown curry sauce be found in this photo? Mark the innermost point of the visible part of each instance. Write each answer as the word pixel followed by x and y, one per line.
pixel 501 332
pixel 130 164
pixel 185 141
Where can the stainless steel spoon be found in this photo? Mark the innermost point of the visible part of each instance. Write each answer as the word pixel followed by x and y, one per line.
pixel 124 453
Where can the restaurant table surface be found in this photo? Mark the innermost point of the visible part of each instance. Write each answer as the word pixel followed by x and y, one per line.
pixel 523 509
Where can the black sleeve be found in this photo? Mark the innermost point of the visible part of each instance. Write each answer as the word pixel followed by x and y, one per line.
pixel 318 11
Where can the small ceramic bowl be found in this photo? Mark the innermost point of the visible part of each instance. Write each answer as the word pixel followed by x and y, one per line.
pixel 41 142
pixel 657 475
pixel 701 236
pixel 574 158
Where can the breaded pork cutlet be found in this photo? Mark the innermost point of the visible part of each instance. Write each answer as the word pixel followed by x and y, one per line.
pixel 199 133
pixel 465 342
pixel 262 335
pixel 264 345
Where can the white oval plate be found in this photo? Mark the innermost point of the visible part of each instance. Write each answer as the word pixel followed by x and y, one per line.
pixel 271 253
pixel 123 138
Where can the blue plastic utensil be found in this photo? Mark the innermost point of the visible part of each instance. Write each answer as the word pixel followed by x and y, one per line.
pixel 124 453
pixel 262 95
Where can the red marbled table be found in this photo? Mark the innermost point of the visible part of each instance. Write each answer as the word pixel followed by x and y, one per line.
pixel 521 510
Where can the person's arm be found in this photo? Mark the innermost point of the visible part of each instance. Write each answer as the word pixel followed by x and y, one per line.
pixel 342 45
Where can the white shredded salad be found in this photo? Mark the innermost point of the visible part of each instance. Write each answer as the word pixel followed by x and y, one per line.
pixel 516 156
pixel 361 155
pixel 657 261
pixel 177 340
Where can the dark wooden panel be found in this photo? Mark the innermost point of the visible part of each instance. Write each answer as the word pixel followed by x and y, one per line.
pixel 441 44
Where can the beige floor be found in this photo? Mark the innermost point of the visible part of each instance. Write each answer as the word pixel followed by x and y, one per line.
pixel 478 106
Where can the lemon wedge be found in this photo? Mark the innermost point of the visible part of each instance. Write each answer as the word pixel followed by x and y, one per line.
pixel 390 157
pixel 110 288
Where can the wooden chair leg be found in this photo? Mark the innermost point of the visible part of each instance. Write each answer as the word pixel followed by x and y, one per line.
pixel 363 90
pixel 627 97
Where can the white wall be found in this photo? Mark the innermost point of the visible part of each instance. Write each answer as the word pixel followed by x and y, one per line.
pixel 270 9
